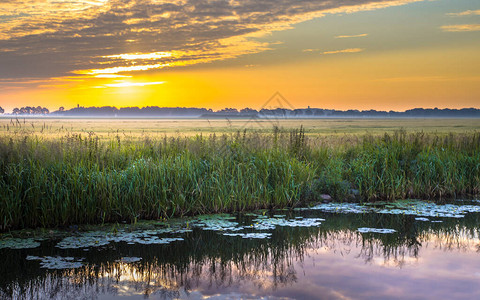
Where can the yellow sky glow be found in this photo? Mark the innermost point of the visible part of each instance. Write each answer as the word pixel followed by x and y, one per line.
pixel 330 54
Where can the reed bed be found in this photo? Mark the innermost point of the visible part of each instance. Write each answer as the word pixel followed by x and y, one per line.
pixel 77 179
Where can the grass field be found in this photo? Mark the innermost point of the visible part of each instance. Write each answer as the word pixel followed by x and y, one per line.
pixel 62 172
pixel 134 128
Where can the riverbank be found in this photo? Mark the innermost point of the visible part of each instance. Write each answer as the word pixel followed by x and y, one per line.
pixel 81 179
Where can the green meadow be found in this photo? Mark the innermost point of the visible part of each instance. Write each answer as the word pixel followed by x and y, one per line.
pixel 59 172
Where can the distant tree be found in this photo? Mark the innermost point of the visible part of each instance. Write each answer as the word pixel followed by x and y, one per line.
pixel 248 110
pixel 61 108
pixel 27 110
pixel 228 110
pixel 1 110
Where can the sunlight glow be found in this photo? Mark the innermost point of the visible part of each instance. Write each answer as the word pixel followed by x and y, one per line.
pixel 115 70
pixel 129 84
pixel 111 76
pixel 237 53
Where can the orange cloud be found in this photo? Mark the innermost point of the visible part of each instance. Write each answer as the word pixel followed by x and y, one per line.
pixel 350 50
pixel 90 37
pixel 351 36
pixel 461 28
pixel 465 13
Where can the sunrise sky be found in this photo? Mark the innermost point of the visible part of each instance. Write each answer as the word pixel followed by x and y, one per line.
pixel 344 54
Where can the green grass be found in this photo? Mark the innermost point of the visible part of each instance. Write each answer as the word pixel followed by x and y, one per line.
pixel 76 178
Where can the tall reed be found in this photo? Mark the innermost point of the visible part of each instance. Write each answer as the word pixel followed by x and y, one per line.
pixel 81 179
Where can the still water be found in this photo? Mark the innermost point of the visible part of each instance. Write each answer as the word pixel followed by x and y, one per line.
pixel 335 251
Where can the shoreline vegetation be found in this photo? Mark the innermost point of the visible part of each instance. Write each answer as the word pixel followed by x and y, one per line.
pixel 82 179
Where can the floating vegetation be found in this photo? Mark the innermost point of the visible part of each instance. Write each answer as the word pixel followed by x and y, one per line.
pixel 375 230
pixel 271 223
pixel 84 240
pixel 338 208
pixel 19 243
pixel 99 238
pixel 129 260
pixel 57 262
pixel 222 223
pixel 218 222
pixel 256 235
pixel 251 215
pixel 261 222
pixel 415 208
pixel 426 209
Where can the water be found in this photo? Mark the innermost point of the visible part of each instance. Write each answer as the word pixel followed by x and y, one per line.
pixel 320 253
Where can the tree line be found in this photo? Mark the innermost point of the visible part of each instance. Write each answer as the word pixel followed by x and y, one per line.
pixel 155 111
pixel 28 110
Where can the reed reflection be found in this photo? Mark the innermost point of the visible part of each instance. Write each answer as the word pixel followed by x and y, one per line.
pixel 208 263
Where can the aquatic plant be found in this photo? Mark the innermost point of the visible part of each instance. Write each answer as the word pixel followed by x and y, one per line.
pixel 57 262
pixel 421 209
pixel 19 243
pixel 375 230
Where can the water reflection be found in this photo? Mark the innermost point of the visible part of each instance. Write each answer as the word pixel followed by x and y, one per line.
pixel 421 260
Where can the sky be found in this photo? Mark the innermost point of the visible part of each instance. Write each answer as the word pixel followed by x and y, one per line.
pixel 343 54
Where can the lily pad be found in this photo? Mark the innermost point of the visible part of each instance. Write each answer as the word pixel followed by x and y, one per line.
pixel 375 230
pixel 129 260
pixel 256 235
pixel 19 243
pixel 271 223
pixel 415 208
pixel 217 223
pixel 57 262
pixel 99 238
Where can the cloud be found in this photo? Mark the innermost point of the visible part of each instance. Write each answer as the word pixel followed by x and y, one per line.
pixel 140 56
pixel 349 50
pixel 45 39
pixel 465 13
pixel 461 28
pixel 115 70
pixel 111 76
pixel 351 36
pixel 130 84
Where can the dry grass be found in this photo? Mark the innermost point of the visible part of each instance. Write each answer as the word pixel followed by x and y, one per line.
pixel 139 128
